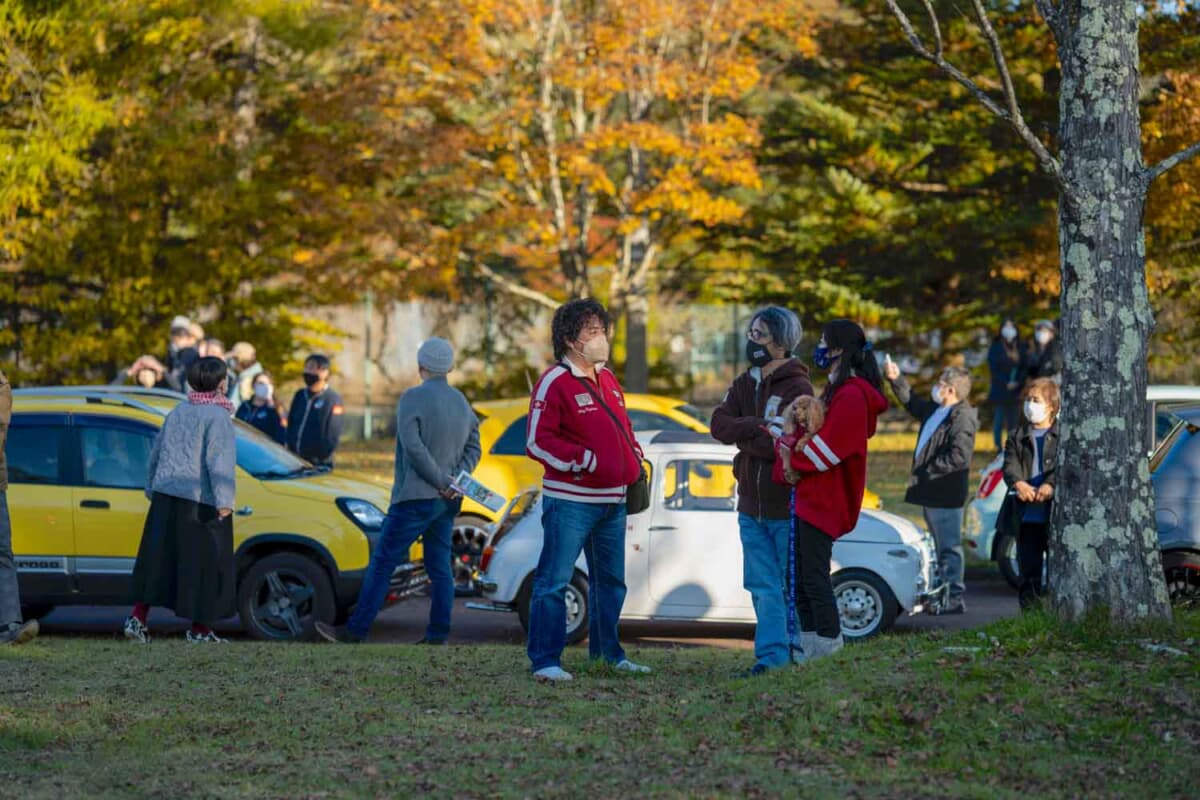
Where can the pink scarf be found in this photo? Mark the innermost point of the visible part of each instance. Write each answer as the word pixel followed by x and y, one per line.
pixel 210 399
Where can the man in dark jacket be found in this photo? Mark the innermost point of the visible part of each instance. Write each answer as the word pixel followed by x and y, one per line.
pixel 749 418
pixel 942 466
pixel 12 630
pixel 316 415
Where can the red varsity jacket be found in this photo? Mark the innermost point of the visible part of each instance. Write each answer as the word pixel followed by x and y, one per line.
pixel 833 466
pixel 586 457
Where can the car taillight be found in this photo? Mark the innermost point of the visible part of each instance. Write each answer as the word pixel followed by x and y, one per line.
pixel 989 483
pixel 485 558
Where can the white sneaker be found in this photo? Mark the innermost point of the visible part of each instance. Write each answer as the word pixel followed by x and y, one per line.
pixel 625 665
pixel 136 631
pixel 553 674
pixel 205 638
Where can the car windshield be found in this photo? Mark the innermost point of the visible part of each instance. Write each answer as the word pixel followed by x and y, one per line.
pixel 692 412
pixel 1175 440
pixel 265 460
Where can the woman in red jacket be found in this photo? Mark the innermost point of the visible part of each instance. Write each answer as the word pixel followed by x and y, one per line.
pixel 832 470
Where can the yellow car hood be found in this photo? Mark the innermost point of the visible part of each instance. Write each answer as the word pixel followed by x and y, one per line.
pixel 333 486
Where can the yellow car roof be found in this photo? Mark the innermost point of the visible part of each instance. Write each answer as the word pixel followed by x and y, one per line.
pixel 118 401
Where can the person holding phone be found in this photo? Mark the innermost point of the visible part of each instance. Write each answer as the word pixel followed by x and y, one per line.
pixel 941 466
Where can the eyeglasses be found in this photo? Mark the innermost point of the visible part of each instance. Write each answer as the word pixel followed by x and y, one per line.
pixel 756 335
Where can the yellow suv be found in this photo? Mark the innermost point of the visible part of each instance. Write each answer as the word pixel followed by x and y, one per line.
pixel 77 461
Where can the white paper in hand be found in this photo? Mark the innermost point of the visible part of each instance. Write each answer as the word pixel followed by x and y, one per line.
pixel 467 486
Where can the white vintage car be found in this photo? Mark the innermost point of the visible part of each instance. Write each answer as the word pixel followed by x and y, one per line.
pixel 683 557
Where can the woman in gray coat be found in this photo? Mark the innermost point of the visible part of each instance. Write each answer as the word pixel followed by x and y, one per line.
pixel 185 561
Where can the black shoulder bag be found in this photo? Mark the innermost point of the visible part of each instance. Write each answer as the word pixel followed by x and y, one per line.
pixel 637 494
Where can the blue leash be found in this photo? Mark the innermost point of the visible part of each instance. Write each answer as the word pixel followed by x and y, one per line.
pixel 791 579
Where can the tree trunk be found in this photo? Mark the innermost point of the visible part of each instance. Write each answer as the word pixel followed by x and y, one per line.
pixel 637 366
pixel 1104 546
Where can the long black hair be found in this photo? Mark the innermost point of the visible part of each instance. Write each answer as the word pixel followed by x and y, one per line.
pixel 857 359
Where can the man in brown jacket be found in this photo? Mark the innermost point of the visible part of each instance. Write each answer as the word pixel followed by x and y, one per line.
pixel 12 631
pixel 749 418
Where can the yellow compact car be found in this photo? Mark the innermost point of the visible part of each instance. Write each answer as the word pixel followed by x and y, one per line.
pixel 77 462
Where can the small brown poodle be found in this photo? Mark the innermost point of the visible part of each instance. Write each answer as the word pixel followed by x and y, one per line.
pixel 803 417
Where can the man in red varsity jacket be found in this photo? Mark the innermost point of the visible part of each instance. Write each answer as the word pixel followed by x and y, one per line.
pixel 579 431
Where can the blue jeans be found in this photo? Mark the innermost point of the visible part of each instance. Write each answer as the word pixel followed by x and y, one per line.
pixel 765 576
pixel 598 530
pixel 405 522
pixel 946 526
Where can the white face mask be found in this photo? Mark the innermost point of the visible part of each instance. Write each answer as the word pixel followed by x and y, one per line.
pixel 936 393
pixel 1043 337
pixel 263 391
pixel 1008 332
pixel 1036 412
pixel 595 350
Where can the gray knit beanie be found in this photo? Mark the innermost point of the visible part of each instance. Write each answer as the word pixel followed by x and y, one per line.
pixel 436 355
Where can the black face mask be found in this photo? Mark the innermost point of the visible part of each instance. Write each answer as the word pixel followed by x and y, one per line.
pixel 757 354
pixel 310 379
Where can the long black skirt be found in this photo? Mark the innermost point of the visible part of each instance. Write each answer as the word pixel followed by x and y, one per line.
pixel 185 560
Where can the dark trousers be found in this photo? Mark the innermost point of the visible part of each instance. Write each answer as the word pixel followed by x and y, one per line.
pixel 1032 542
pixel 815 604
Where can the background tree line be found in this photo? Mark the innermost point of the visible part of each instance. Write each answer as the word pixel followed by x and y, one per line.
pixel 247 159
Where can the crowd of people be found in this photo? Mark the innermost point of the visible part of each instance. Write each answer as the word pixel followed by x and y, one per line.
pixel 800 469
pixel 311 426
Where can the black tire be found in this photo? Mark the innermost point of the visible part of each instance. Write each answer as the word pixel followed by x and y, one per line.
pixel 1181 569
pixel 306 588
pixel 466 546
pixel 35 611
pixel 1006 559
pixel 865 603
pixel 577 607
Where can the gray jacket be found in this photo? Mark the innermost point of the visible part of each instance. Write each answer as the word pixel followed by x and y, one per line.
pixel 437 436
pixel 195 456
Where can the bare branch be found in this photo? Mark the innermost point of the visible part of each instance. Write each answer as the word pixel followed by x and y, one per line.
pixel 937 29
pixel 1179 247
pixel 1010 114
pixel 1152 173
pixel 509 285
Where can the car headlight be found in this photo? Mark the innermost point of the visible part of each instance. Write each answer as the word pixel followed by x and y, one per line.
pixel 366 515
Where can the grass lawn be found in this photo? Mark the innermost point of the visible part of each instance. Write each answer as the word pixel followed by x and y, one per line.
pixel 1022 709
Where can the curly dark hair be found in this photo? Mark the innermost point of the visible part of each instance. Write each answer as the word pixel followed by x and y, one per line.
pixel 571 318
pixel 205 374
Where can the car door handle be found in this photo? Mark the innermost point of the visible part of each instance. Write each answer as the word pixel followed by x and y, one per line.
pixel 244 511
pixel 662 528
pixel 95 504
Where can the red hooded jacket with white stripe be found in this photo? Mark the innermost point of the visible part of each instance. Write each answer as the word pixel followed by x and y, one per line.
pixel 587 458
pixel 833 465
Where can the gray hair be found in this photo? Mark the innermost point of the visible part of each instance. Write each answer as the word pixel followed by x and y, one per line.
pixel 783 325
pixel 958 379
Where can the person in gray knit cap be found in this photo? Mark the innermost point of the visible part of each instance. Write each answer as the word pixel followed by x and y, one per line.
pixel 437 436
